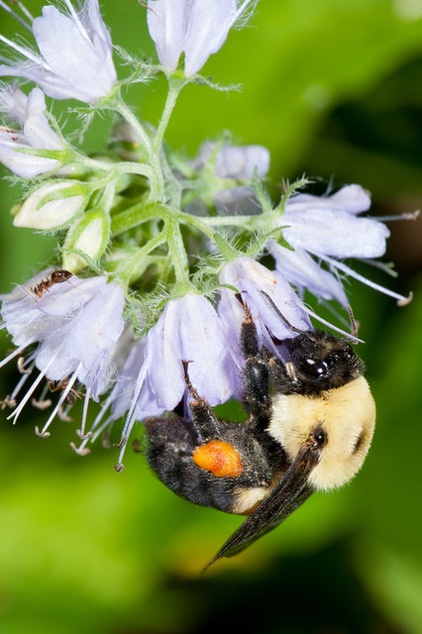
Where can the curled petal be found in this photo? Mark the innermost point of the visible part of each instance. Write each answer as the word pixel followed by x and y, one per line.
pixel 335 233
pixel 351 198
pixel 18 147
pixel 306 274
pixel 253 279
pixel 15 156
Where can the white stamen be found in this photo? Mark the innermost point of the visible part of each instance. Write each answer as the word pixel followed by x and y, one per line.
pixel 61 400
pixel 14 354
pixel 15 414
pixel 345 334
pixel 19 385
pixel 81 432
pixel 17 17
pixel 346 269
pixel 26 52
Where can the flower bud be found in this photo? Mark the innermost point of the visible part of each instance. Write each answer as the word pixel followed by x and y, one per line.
pixel 52 205
pixel 89 236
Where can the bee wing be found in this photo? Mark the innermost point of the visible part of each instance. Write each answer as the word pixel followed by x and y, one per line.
pixel 292 490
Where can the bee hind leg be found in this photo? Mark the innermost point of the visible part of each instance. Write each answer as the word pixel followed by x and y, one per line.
pixel 203 418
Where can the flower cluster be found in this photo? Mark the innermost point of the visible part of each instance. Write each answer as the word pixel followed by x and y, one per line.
pixel 154 250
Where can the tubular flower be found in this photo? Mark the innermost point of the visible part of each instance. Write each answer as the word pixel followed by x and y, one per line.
pixel 252 280
pixel 18 147
pixel 152 380
pixel 197 28
pixel 75 54
pixel 183 333
pixel 73 325
pixel 231 165
pixel 328 229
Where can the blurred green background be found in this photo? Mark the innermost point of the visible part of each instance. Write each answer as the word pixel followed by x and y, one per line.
pixel 334 89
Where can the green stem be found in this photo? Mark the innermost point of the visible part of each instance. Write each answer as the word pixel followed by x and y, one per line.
pixel 173 217
pixel 127 271
pixel 123 167
pixel 252 221
pixel 136 215
pixel 228 252
pixel 177 252
pixel 175 86
pixel 134 122
pixel 159 163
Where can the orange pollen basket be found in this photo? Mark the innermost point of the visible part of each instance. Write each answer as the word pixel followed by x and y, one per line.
pixel 220 458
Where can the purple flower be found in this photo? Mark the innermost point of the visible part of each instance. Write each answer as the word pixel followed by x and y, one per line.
pixel 75 325
pixel 327 230
pixel 252 280
pixel 198 28
pixel 152 380
pixel 232 163
pixel 75 54
pixel 29 112
pixel 189 330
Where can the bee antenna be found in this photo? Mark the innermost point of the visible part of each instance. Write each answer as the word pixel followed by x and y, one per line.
pixel 282 317
pixel 354 326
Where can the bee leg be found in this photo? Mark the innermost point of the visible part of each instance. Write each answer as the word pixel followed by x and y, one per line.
pixel 203 418
pixel 255 374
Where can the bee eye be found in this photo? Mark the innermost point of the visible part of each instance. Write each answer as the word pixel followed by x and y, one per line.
pixel 319 438
pixel 314 368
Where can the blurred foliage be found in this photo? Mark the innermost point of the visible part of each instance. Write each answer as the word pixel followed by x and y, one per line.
pixel 334 89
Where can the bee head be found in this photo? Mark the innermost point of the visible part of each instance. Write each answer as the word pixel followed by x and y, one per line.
pixel 320 361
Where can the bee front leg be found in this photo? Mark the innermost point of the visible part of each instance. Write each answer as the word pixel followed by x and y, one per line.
pixel 256 377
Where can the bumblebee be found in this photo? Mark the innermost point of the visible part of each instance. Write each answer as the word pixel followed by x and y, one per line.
pixel 311 422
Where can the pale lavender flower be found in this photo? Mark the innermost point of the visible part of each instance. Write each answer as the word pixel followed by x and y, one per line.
pixel 152 380
pixel 75 54
pixel 235 161
pixel 29 112
pixel 189 329
pixel 74 326
pixel 252 280
pixel 328 230
pixel 197 28
pixel 232 163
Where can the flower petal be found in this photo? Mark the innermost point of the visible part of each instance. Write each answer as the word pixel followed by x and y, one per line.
pixel 76 54
pixel 334 232
pixel 253 279
pixel 45 209
pixel 189 330
pixel 209 25
pixel 351 198
pixel 305 274
pixel 167 26
pixel 36 127
pixel 80 61
pixel 76 323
